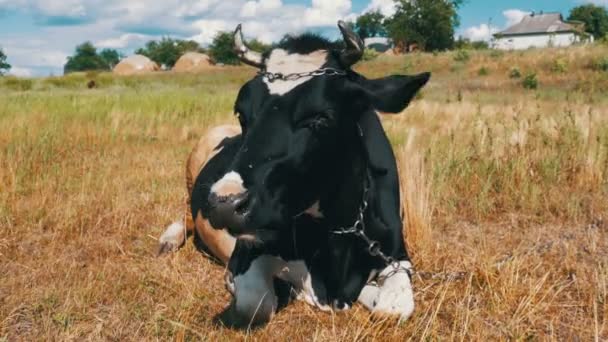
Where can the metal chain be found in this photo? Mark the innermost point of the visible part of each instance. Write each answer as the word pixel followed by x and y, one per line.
pixel 373 246
pixel 271 77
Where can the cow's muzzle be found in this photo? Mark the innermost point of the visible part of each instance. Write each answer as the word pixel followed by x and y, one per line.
pixel 229 212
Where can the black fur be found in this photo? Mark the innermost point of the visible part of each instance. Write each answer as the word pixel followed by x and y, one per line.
pixel 307 43
pixel 323 142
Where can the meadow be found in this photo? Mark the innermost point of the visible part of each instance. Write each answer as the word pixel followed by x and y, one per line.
pixel 504 170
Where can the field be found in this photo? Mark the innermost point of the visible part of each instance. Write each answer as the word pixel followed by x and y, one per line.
pixel 505 193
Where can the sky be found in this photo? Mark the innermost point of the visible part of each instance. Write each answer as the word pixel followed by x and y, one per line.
pixel 38 35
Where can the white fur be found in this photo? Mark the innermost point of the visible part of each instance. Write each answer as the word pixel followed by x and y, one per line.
pixel 257 281
pixel 230 177
pixel 394 297
pixel 174 236
pixel 282 62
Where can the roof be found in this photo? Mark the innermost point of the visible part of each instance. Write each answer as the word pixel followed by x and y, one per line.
pixel 539 23
pixel 376 40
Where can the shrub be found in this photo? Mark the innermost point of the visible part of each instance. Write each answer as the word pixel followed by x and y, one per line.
pixel 16 83
pixel 515 73
pixel 370 54
pixel 496 54
pixel 601 64
pixel 462 56
pixel 483 71
pixel 559 66
pixel 530 81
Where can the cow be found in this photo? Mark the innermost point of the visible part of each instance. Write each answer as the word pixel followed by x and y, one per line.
pixel 303 200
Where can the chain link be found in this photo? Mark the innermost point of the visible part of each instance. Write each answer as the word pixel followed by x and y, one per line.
pixel 271 77
pixel 373 246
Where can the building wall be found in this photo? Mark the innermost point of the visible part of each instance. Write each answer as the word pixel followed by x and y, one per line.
pixel 539 41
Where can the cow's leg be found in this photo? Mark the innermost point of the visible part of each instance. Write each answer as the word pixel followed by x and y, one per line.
pixel 174 237
pixel 255 300
pixel 393 296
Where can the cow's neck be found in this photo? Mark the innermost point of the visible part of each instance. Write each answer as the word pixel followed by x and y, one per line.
pixel 343 201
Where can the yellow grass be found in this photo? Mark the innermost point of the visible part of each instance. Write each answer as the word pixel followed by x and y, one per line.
pixel 504 196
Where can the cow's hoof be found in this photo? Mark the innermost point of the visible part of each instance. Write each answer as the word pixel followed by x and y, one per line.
pixel 394 297
pixel 172 239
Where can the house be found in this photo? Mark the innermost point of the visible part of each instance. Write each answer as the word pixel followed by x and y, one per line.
pixel 380 44
pixel 541 30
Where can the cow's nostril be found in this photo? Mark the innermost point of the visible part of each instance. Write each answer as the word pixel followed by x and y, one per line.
pixel 241 204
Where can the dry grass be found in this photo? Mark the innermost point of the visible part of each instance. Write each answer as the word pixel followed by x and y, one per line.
pixel 504 194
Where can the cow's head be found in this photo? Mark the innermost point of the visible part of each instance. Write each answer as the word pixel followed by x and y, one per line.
pixel 297 128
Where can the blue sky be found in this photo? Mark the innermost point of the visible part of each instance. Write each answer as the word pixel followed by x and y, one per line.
pixel 38 35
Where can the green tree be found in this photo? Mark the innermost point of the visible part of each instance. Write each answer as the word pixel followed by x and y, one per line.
pixel 257 45
pixel 370 24
pixel 428 23
pixel 594 17
pixel 4 66
pixel 85 58
pixel 167 51
pixel 110 57
pixel 222 49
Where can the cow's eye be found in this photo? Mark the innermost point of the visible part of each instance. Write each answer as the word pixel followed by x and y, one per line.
pixel 317 122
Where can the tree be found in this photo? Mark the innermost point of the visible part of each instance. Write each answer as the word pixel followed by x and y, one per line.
pixel 167 51
pixel 594 17
pixel 84 59
pixel 222 49
pixel 370 24
pixel 4 66
pixel 110 57
pixel 430 24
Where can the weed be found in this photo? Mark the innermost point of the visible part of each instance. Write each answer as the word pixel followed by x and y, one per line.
pixel 601 64
pixel 559 66
pixel 462 56
pixel 514 73
pixel 530 81
pixel 16 83
pixel 370 54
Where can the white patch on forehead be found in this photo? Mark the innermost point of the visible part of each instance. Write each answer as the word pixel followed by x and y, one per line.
pixel 284 63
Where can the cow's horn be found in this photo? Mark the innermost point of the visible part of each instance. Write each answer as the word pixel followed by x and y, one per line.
pixel 245 54
pixel 354 45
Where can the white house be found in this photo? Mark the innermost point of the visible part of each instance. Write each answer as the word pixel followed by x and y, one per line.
pixel 380 44
pixel 541 30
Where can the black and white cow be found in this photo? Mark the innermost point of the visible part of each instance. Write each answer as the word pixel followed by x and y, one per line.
pixel 312 149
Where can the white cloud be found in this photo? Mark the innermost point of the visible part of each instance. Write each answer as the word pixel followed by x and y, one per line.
pixel 63 8
pixel 326 12
pixel 482 32
pixel 514 16
pixel 125 25
pixel 386 7
pixel 209 28
pixel 254 8
pixel 124 41
pixel 21 72
pixel 596 2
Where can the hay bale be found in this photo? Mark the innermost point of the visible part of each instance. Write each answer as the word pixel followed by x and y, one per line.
pixel 136 64
pixel 193 62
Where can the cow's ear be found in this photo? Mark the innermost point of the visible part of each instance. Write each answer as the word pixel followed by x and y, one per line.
pixel 393 94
